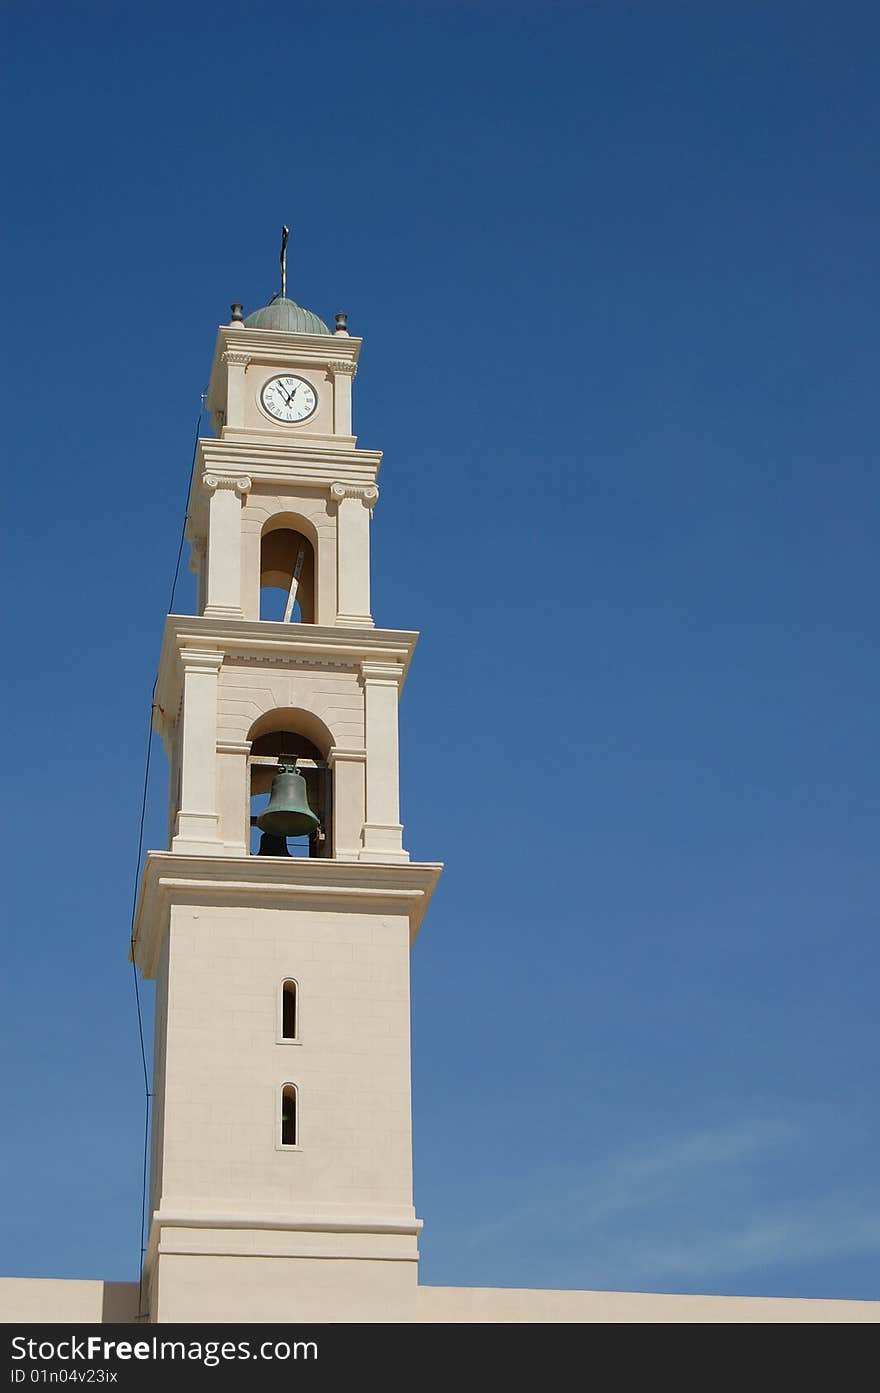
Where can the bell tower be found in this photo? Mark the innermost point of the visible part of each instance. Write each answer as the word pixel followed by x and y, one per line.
pixel 279 934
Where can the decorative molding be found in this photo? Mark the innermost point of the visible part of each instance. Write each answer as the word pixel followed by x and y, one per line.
pixel 367 493
pixel 296 661
pixel 242 483
pixel 308 1223
pixel 233 747
pixel 384 674
pixel 316 462
pixel 257 643
pixel 345 369
pixel 336 755
pixel 201 660
pixel 234 359
pixel 368 886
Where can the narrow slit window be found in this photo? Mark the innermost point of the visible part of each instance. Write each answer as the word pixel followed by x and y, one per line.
pixel 289 1021
pixel 288 1115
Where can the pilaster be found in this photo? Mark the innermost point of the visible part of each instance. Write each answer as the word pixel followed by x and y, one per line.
pixel 232 796
pixel 342 374
pixel 196 828
pixel 383 831
pixel 223 590
pixel 348 768
pixel 354 504
pixel 235 363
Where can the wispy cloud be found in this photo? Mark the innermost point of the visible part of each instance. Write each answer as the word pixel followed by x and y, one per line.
pixel 703 1205
pixel 831 1226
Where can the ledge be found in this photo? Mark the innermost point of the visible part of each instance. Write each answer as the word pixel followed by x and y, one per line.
pixel 304 1224
pixel 252 452
pixel 171 878
pixel 273 641
pixel 278 346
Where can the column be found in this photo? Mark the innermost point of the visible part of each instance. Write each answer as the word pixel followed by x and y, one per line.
pixel 343 374
pixel 383 833
pixel 196 826
pixel 236 364
pixel 354 506
pixel 223 588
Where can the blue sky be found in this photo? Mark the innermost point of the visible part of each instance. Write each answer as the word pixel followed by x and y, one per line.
pixel 616 269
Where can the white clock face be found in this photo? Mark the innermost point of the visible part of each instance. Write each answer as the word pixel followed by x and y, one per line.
pixel 289 399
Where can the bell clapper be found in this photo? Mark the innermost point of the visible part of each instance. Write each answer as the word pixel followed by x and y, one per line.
pixel 294 585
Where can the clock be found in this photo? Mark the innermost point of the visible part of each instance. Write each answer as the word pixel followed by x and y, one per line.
pixel 289 399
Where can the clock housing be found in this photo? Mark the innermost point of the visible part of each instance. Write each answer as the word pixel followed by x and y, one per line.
pixel 288 398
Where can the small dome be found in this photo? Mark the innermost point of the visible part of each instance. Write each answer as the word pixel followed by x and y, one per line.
pixel 290 318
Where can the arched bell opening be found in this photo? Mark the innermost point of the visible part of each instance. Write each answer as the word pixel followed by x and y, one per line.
pixel 287 573
pixel 296 818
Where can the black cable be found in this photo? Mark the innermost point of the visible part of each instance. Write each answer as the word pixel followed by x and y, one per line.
pixel 137 873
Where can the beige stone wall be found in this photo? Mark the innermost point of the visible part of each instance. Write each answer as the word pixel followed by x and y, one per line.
pixel 42 1300
pixel 257 419
pixel 248 691
pixel 224 1065
pixel 271 1289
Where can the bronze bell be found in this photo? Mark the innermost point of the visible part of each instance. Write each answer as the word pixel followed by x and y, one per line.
pixel 287 814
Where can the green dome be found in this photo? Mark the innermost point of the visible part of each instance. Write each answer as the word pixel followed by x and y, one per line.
pixel 287 316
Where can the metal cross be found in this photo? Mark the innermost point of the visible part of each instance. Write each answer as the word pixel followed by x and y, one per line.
pixel 285 233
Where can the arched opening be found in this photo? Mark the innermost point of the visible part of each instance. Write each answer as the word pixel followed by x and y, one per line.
pixel 289 1010
pixel 287 571
pixel 289 1116
pixel 291 740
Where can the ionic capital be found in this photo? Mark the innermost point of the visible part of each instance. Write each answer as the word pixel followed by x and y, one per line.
pixel 242 483
pixel 232 358
pixel 367 493
pixel 342 368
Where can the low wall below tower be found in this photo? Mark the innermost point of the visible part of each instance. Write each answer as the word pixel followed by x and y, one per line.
pixel 495 1305
pixel 43 1300
pixel 39 1301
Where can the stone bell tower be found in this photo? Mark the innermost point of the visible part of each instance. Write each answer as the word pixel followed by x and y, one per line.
pixel 281 1163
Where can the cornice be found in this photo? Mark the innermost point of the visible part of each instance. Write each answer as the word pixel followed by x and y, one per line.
pixel 319 441
pixel 306 1223
pixel 172 879
pixel 221 455
pixel 276 348
pixel 260 642
pixel 247 463
pixel 275 344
